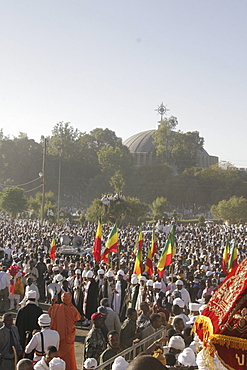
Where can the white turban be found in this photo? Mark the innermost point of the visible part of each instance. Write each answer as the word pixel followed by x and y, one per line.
pixel 176 342
pixel 57 364
pixel 89 274
pixel 187 357
pixel 90 363
pixel 119 363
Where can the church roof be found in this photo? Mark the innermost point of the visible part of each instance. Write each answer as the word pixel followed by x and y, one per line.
pixel 141 142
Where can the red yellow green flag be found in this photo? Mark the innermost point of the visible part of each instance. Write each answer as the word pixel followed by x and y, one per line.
pixel 225 258
pixel 111 244
pixel 53 248
pixel 149 262
pixel 97 243
pixel 138 261
pixel 166 256
pixel 153 243
pixel 233 261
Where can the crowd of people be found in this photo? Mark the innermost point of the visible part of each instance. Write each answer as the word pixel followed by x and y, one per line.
pixel 119 308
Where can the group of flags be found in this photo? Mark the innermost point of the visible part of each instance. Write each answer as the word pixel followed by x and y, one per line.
pixel 111 245
pixel 230 257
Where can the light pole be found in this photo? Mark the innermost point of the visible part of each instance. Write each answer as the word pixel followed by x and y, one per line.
pixel 59 183
pixel 42 176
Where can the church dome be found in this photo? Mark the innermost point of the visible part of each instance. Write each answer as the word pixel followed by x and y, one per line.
pixel 141 147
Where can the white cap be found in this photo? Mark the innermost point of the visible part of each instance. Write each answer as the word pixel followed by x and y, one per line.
pixel 203 267
pixel 142 278
pixel 134 280
pixel 90 363
pixel 176 342
pixel 110 273
pixel 100 272
pixel 187 357
pixel 179 282
pixel 57 364
pixel 120 272
pixel 31 294
pixel 44 320
pixel 209 273
pixel 194 306
pixel 119 363
pixel 89 274
pixel 178 302
pixel 78 272
pixel 157 285
pixel 59 277
pixel 150 283
pixel 55 268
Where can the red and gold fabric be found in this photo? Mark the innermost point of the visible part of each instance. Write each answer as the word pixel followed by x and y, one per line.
pixel 222 327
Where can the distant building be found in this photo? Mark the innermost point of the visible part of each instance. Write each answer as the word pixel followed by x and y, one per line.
pixel 141 146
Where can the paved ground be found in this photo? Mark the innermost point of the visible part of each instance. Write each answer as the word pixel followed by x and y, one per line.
pixel 81 333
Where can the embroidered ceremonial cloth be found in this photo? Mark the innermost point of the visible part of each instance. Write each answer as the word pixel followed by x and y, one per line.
pixel 222 327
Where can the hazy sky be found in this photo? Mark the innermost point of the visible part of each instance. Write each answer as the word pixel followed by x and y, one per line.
pixel 110 63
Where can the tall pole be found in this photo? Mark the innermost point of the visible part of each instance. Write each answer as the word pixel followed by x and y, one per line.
pixel 43 182
pixel 59 183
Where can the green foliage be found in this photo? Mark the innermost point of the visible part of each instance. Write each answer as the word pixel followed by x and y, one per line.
pixel 34 204
pixel 117 181
pixel 159 207
pixel 13 200
pixel 201 220
pixel 117 211
pixel 177 149
pixel 233 210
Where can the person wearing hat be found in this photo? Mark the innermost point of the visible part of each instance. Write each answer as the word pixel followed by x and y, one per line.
pixel 42 340
pixel 108 287
pixel 178 310
pixel 119 304
pixel 95 342
pixel 120 364
pixel 90 363
pixel 184 294
pixel 27 317
pixel 112 349
pixel 175 346
pixel 133 291
pixel 187 358
pixel 100 278
pixel 142 292
pixel 33 287
pixel 63 317
pixel 112 321
pixel 77 290
pixel 90 300
pixel 104 312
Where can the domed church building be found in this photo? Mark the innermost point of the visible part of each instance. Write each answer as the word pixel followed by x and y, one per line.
pixel 141 146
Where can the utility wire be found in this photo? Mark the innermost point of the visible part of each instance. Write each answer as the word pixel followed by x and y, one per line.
pixel 6 186
pixel 27 191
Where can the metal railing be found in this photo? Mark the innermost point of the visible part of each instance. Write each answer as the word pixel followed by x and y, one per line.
pixel 131 352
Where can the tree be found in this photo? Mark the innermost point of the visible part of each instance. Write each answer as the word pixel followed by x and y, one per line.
pixel 117 181
pixel 34 204
pixel 233 210
pixel 159 207
pixel 13 200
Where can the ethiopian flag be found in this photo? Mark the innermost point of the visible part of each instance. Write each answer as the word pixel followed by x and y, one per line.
pixel 233 261
pixel 97 243
pixel 153 243
pixel 111 244
pixel 166 256
pixel 149 262
pixel 225 258
pixel 138 262
pixel 53 248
